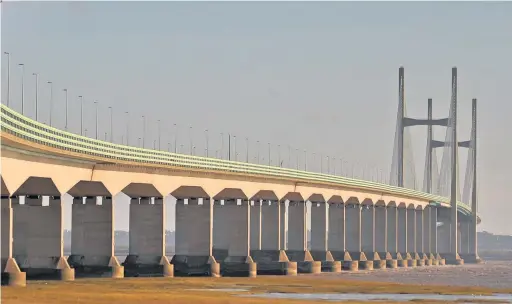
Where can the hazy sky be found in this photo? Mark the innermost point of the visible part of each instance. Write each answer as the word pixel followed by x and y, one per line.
pixel 315 76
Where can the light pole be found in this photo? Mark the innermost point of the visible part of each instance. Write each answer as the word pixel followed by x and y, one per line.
pixel 328 165
pixel 334 162
pixel 258 148
pixel 221 145
pixel 289 157
pixel 247 148
pixel 234 144
pixel 206 136
pixel 8 77
pixel 297 151
pixel 22 67
pixel 305 161
pixel 314 157
pixel 175 138
pixel 81 114
pixel 190 136
pixel 37 89
pixel 159 134
pixel 51 101
pixel 127 128
pixel 269 154
pixel 66 124
pixel 111 127
pixel 96 106
pixel 279 155
pixel 143 129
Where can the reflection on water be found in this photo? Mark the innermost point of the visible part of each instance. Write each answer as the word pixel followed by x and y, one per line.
pixel 501 298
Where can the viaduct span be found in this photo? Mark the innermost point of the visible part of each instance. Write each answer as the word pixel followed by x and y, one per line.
pixel 232 218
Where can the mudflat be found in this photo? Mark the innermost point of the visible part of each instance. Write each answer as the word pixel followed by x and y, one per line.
pixel 491 274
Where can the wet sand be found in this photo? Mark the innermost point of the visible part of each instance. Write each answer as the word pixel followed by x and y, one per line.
pixel 492 274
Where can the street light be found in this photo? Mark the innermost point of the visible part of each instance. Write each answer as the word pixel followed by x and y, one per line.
pixel 305 161
pixel 190 136
pixel 81 113
pixel 111 128
pixel 175 138
pixel 37 89
pixel 279 155
pixel 22 67
pixel 247 149
pixel 221 145
pixel 127 128
pixel 159 138
pixel 66 93
pixel 51 101
pixel 96 105
pixel 206 135
pixel 269 154
pixel 234 144
pixel 8 77
pixel 258 149
pixel 143 130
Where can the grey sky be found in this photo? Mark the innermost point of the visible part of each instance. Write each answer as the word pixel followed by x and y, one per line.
pixel 315 76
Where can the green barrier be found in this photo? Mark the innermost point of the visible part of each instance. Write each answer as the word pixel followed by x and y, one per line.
pixel 23 127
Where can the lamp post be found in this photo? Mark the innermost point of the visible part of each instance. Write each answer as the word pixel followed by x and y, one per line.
pixel 66 124
pixel 127 128
pixel 37 89
pixel 175 138
pixel 234 144
pixel 8 77
pixel 258 149
pixel 206 137
pixel 247 149
pixel 81 114
pixel 143 130
pixel 279 155
pixel 51 101
pixel 96 107
pixel 190 136
pixel 305 160
pixel 269 154
pixel 22 67
pixel 159 138
pixel 111 126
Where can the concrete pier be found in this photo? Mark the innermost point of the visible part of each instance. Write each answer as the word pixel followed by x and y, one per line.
pixel 381 235
pixel 147 239
pixel 255 213
pixel 92 238
pixel 231 233
pixel 336 235
pixel 271 258
pixel 368 236
pixel 403 255
pixel 420 253
pixel 38 238
pixel 194 233
pixel 354 235
pixel 392 236
pixel 412 257
pixel 297 243
pixel 11 273
pixel 319 244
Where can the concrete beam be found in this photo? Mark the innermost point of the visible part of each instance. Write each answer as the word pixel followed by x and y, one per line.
pixel 42 186
pixel 89 188
pixel 187 192
pixel 138 190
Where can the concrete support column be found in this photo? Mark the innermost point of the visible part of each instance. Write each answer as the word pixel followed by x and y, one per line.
pixel 256 225
pixel 336 237
pixel 381 230
pixel 38 238
pixel 11 273
pixel 465 227
pixel 194 238
pixel 402 231
pixel 297 239
pixel 283 222
pixel 368 229
pixel 444 237
pixel 392 231
pixel 147 239
pixel 271 258
pixel 233 234
pixel 319 241
pixel 420 252
pixel 411 231
pixel 353 229
pixel 433 231
pixel 92 238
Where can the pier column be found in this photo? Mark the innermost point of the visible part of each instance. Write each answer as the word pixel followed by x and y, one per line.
pixel 381 229
pixel 38 238
pixel 353 229
pixel 11 273
pixel 231 233
pixel 92 238
pixel 297 238
pixel 336 237
pixel 255 225
pixel 319 242
pixel 411 236
pixel 283 222
pixel 430 235
pixel 402 231
pixel 419 251
pixel 392 222
pixel 194 234
pixel 464 235
pixel 271 258
pixel 147 239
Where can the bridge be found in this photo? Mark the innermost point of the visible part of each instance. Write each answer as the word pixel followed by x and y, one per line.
pixel 232 218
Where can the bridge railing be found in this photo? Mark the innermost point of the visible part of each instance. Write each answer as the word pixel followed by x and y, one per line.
pixel 23 127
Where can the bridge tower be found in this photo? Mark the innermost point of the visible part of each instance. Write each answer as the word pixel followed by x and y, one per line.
pixel 402 158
